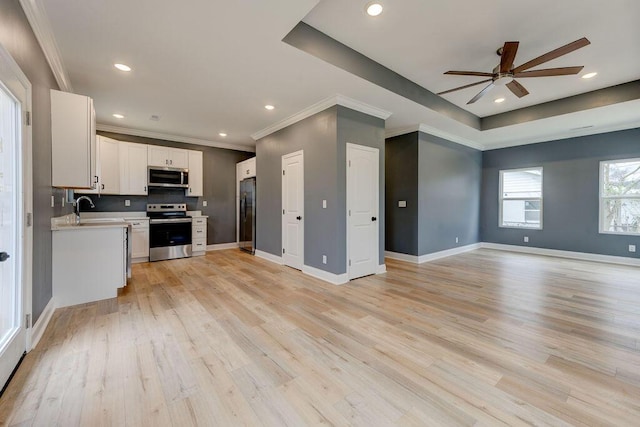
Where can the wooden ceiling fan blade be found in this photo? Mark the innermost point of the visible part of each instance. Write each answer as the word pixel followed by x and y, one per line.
pixel 469 73
pixel 464 87
pixel 508 56
pixel 547 72
pixel 517 89
pixel 482 93
pixel 568 48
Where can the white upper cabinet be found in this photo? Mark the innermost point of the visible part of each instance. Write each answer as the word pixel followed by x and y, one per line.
pixel 133 168
pixel 107 174
pixel 73 141
pixel 168 157
pixel 195 174
pixel 247 169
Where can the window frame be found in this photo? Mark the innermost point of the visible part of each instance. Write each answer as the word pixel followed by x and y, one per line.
pixel 602 198
pixel 501 197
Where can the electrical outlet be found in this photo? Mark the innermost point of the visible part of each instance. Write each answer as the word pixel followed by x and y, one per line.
pixel 632 248
pixel 324 259
pixel 324 206
pixel 402 203
pixel 204 203
pixel 63 201
pixel 526 239
pixel 53 201
pixel 457 240
pixel 127 202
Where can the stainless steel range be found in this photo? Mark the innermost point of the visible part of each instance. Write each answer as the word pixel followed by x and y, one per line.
pixel 169 231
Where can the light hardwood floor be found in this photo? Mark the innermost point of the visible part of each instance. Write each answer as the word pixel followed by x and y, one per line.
pixel 483 338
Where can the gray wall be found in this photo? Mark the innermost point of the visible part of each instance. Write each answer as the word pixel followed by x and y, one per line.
pixel 570 192
pixel 358 128
pixel 17 37
pixel 219 179
pixel 440 181
pixel 323 138
pixel 401 165
pixel 449 177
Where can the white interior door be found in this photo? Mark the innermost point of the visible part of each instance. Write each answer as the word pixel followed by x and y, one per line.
pixel 362 210
pixel 15 204
pixel 293 210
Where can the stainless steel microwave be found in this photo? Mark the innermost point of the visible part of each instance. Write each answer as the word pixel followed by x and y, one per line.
pixel 168 177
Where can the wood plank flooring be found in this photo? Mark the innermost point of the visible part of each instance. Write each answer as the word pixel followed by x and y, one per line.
pixel 483 338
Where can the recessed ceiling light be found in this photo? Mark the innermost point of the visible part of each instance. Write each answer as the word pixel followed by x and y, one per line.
pixel 118 116
pixel 374 9
pixel 498 100
pixel 222 134
pixel 122 67
pixel 589 75
pixel 269 107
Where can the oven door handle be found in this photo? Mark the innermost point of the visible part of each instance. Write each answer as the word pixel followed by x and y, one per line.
pixel 169 221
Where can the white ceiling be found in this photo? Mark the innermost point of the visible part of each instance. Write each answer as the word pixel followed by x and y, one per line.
pixel 210 66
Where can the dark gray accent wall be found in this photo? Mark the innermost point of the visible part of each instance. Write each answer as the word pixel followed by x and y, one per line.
pixel 449 177
pixel 18 38
pixel 320 45
pixel 571 169
pixel 358 128
pixel 401 170
pixel 323 137
pixel 219 179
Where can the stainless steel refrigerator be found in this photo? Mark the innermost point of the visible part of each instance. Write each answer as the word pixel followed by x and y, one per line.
pixel 248 215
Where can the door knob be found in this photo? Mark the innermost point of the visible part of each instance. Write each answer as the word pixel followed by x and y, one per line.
pixel 373 218
pixel 298 218
pixel 4 256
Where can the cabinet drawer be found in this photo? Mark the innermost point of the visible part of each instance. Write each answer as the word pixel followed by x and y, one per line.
pixel 198 246
pixel 138 224
pixel 199 221
pixel 198 232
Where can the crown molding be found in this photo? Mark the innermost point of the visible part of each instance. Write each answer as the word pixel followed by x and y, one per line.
pixel 435 132
pixel 321 106
pixel 174 138
pixel 37 17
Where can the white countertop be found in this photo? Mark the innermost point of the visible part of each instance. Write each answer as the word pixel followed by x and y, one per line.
pixel 68 223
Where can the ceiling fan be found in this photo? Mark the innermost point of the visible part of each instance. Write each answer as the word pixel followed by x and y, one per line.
pixel 505 73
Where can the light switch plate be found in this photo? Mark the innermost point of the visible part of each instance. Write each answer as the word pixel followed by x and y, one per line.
pixel 324 204
pixel 127 202
pixel 632 248
pixel 53 201
pixel 402 203
pixel 526 239
pixel 204 203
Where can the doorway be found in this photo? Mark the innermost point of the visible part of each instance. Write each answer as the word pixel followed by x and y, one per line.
pixel 362 210
pixel 15 215
pixel 293 209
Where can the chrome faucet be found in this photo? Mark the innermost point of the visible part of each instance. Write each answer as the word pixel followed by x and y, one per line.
pixel 77 206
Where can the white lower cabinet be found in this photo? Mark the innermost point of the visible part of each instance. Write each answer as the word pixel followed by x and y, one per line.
pixel 139 239
pixel 199 235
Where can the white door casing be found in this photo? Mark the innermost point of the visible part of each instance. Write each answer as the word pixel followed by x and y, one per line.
pixel 293 209
pixel 362 210
pixel 16 207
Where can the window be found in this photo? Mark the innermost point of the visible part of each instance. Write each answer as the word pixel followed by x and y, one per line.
pixel 620 196
pixel 521 198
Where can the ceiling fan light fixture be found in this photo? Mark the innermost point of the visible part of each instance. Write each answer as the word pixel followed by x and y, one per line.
pixel 122 67
pixel 589 75
pixel 498 100
pixel 373 9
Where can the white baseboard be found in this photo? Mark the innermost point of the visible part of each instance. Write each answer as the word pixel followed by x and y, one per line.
pixel 41 325
pixel 563 254
pixel 382 268
pixel 336 279
pixel 269 257
pixel 433 256
pixel 222 246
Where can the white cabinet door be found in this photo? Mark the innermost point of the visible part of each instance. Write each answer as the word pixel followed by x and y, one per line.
pixel 140 242
pixel 178 158
pixel 158 156
pixel 133 168
pixel 195 174
pixel 168 157
pixel 247 169
pixel 108 166
pixel 73 141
